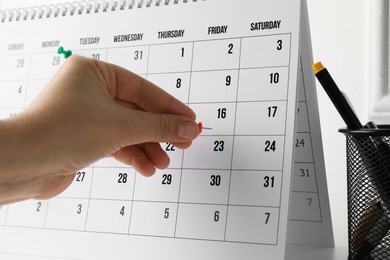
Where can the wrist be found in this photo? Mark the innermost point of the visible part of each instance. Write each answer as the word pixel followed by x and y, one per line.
pixel 21 153
pixel 8 151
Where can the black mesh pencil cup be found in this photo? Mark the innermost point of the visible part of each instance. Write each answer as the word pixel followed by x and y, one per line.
pixel 368 180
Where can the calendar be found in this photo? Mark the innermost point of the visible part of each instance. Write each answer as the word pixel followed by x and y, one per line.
pixel 252 183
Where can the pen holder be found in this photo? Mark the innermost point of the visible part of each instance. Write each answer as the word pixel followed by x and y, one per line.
pixel 368 181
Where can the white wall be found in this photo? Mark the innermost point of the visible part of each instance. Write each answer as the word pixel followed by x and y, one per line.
pixel 339 35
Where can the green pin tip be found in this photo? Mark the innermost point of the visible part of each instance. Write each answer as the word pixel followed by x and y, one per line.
pixel 66 53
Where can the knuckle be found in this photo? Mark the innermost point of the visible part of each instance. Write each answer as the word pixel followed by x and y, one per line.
pixel 164 128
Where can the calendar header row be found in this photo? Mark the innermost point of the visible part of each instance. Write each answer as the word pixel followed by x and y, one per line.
pixel 125 36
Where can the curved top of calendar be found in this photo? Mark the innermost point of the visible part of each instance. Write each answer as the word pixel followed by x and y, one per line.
pixel 79 8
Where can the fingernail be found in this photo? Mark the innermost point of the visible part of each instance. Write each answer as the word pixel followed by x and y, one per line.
pixel 188 130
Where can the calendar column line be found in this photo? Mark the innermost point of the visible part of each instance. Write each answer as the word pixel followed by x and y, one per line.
pixel 132 201
pixel 23 107
pixel 92 174
pixel 135 172
pixel 182 154
pixel 311 141
pixel 259 132
pixel 6 216
pixel 89 197
pixel 47 209
pixel 300 70
pixel 27 82
pixel 234 133
pixel 285 129
pixel 106 55
pixel 147 63
pixel 189 85
pixel 178 195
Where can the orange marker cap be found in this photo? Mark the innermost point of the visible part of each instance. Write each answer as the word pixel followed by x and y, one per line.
pixel 317 67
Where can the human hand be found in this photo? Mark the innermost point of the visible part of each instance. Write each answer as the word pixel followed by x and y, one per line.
pixel 90 110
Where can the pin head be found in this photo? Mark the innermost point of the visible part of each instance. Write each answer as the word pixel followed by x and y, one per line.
pixel 200 127
pixel 66 53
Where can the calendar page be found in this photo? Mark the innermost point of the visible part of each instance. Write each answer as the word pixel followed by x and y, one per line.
pixel 310 219
pixel 235 63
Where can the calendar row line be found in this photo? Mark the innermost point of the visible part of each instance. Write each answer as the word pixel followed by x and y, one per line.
pixel 216 153
pixel 273 68
pixel 176 185
pixel 243 85
pixel 5 105
pixel 181 203
pixel 270 127
pixel 119 166
pixel 19 102
pixel 153 213
pixel 190 186
pixel 308 210
pixel 260 51
pixel 208 186
pixel 221 117
pixel 208 222
pixel 268 36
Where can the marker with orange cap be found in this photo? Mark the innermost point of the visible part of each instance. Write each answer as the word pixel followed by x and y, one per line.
pixel 337 97
pixel 372 227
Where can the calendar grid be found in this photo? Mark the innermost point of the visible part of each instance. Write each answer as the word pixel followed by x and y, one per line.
pixel 229 209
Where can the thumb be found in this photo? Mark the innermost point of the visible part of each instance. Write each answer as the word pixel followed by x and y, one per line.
pixel 155 127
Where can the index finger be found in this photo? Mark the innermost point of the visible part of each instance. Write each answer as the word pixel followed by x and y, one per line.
pixel 130 87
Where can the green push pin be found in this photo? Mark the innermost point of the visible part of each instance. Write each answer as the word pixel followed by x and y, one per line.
pixel 67 53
